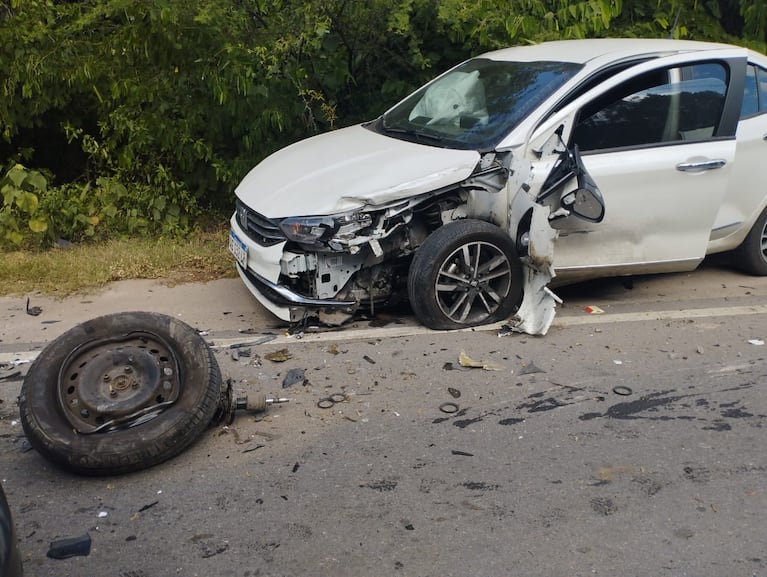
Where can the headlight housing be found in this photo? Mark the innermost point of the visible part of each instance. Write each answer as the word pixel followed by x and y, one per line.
pixel 318 230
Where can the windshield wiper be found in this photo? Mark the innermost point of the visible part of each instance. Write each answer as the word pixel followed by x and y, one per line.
pixel 416 134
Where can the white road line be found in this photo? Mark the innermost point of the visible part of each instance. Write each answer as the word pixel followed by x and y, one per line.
pixel 388 332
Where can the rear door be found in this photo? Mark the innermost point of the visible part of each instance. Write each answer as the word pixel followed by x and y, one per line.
pixel 659 141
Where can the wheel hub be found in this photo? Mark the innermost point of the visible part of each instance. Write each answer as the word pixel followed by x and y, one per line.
pixel 114 382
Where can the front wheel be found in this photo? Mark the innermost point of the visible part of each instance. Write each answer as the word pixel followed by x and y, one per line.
pixel 465 274
pixel 752 253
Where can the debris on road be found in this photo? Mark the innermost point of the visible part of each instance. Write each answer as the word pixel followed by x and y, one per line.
pixel 622 390
pixel 455 393
pixel 329 401
pixel 294 376
pixel 466 361
pixel 530 369
pixel 33 311
pixel 70 547
pixel 757 342
pixel 279 356
pixel 449 408
pixel 593 310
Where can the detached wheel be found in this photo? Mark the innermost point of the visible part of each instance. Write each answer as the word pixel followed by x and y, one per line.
pixel 120 393
pixel 752 254
pixel 466 273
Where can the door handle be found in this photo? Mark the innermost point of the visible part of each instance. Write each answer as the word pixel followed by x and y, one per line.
pixel 701 166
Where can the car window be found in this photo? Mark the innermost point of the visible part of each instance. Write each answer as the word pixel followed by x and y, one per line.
pixel 754 91
pixel 477 104
pixel 659 107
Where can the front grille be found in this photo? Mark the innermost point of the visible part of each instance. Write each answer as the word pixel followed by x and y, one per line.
pixel 260 229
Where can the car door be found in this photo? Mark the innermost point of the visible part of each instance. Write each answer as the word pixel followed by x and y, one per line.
pixel 747 191
pixel 658 140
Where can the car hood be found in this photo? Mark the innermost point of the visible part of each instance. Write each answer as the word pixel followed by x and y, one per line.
pixel 347 169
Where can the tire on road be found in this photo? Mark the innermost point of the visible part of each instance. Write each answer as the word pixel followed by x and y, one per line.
pixel 752 253
pixel 466 273
pixel 120 393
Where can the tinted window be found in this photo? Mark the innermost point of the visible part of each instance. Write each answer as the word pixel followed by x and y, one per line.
pixel 477 104
pixel 754 91
pixel 662 106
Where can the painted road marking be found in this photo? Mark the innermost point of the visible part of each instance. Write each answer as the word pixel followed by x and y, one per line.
pixel 561 321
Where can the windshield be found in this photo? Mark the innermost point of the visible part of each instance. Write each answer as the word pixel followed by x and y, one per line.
pixel 476 104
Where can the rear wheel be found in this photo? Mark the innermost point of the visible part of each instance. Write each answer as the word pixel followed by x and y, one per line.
pixel 752 253
pixel 120 393
pixel 466 273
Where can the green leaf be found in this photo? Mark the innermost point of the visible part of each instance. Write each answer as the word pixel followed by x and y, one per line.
pixel 38 225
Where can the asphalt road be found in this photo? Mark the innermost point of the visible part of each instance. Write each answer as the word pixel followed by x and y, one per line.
pixel 625 443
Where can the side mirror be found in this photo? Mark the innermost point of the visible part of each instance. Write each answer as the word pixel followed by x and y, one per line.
pixel 585 202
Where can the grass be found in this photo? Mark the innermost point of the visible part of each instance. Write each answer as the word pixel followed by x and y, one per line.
pixel 78 269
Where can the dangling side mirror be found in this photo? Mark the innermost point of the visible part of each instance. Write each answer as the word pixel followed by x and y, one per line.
pixel 586 201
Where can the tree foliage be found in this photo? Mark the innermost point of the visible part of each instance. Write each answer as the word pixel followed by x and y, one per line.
pixel 176 99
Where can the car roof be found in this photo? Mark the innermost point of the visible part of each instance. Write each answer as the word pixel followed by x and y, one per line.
pixel 583 51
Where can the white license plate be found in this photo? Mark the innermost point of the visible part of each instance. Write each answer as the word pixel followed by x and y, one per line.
pixel 238 249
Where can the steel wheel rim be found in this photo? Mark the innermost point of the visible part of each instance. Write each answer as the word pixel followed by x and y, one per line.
pixel 473 282
pixel 113 383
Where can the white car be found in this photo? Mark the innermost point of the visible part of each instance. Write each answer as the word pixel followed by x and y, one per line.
pixel 579 159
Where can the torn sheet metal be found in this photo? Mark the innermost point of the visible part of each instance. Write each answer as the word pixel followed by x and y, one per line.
pixel 536 313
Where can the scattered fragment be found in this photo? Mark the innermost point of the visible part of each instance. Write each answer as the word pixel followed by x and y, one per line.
pixel 507 330
pixel 449 408
pixel 617 362
pixel 622 390
pixel 333 349
pixel 103 514
pixel 327 402
pixel 149 506
pixel 33 311
pixel 455 393
pixel 466 361
pixel 279 356
pixel 757 342
pixel 70 547
pixel 530 369
pixel 243 352
pixel 294 376
pixel 448 367
pixel 9 375
pixel 296 466
pixel 593 310
pixel 261 341
pixel 254 448
pixel 368 359
pixel 699 350
pixel 462 453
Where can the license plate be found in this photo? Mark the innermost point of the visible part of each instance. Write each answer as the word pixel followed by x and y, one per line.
pixel 238 249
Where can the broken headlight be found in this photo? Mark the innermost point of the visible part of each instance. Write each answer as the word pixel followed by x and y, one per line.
pixel 321 229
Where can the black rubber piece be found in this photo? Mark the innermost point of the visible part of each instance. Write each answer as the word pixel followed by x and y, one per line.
pixel 70 547
pixel 751 256
pixel 433 253
pixel 123 449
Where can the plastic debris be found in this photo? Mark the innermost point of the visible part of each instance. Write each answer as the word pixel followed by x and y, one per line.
pixel 757 342
pixel 294 376
pixel 33 311
pixel 593 310
pixel 455 393
pixel 70 547
pixel 466 361
pixel 530 369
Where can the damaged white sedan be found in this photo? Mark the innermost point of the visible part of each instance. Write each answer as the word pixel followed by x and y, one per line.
pixel 589 157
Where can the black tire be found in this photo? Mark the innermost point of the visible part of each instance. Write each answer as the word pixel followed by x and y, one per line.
pixel 446 291
pixel 120 393
pixel 752 253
